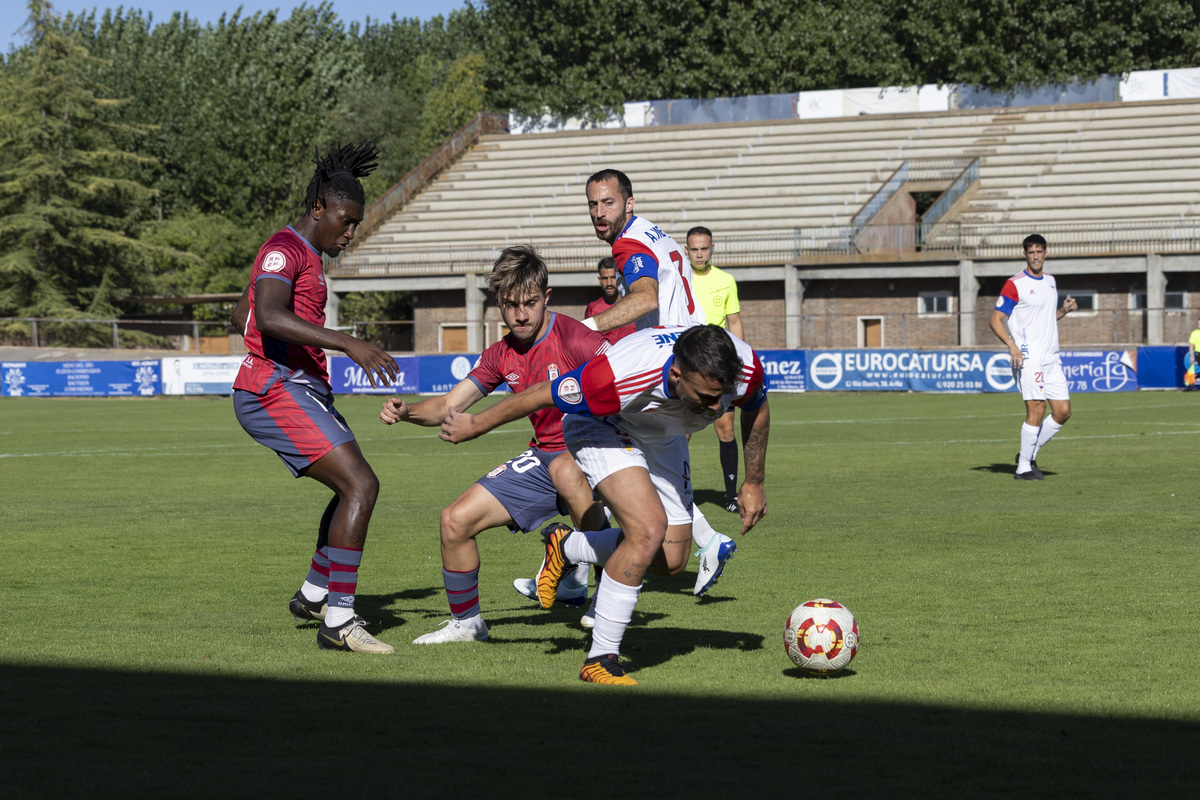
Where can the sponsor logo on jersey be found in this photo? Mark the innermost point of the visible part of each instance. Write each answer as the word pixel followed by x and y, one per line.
pixel 512 377
pixel 552 372
pixel 274 262
pixel 498 470
pixel 665 339
pixel 569 391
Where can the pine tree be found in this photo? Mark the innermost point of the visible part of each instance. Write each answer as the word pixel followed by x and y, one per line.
pixel 69 210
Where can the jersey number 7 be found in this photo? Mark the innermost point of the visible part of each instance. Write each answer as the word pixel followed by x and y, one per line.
pixel 687 287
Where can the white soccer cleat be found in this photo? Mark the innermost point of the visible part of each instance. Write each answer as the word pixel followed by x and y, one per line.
pixel 572 594
pixel 712 562
pixel 352 637
pixel 471 629
pixel 588 620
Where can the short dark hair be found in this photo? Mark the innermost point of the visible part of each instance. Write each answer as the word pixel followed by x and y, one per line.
pixel 709 351
pixel 1031 240
pixel 623 184
pixel 699 230
pixel 338 172
pixel 608 262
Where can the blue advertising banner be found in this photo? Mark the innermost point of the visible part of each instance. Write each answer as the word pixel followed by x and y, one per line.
pixel 1162 366
pixel 784 369
pixel 908 370
pixel 1100 370
pixel 439 374
pixel 346 377
pixel 957 371
pixel 80 378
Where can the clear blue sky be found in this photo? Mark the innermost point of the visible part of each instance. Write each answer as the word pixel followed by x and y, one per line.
pixel 13 12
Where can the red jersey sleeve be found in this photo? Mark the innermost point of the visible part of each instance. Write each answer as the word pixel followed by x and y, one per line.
pixel 635 259
pixel 754 377
pixel 580 343
pixel 282 260
pixel 589 389
pixel 489 372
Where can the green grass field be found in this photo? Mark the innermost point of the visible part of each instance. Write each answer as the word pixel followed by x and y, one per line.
pixel 1018 639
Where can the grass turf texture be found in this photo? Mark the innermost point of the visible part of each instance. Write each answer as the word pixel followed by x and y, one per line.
pixel 1030 638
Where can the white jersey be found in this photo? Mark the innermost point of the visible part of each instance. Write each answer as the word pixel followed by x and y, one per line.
pixel 627 387
pixel 644 250
pixel 1031 305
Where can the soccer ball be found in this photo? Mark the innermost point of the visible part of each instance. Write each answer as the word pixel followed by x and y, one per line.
pixel 821 636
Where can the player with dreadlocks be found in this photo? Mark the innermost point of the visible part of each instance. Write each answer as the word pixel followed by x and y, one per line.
pixel 282 395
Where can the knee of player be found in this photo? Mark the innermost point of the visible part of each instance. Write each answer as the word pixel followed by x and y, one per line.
pixel 1061 416
pixel 453 525
pixel 366 484
pixel 646 535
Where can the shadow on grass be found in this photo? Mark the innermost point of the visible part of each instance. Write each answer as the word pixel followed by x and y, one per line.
pixel 1006 469
pixel 68 732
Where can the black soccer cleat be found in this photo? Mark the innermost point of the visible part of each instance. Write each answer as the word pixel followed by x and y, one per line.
pixel 307 610
pixel 1032 464
pixel 1034 474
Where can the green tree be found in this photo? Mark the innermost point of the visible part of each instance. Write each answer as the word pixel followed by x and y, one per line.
pixel 70 211
pixel 454 103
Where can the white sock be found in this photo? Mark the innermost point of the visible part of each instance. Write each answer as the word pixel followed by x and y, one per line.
pixel 337 616
pixel 1029 437
pixel 580 575
pixel 1049 428
pixel 702 532
pixel 614 611
pixel 312 593
pixel 591 547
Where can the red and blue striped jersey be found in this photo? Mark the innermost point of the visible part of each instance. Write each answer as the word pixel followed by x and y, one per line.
pixel 566 344
pixel 286 257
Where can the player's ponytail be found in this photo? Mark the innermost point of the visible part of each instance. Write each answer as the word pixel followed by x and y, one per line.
pixel 338 171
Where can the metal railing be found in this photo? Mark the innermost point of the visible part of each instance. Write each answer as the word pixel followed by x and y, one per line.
pixel 957 189
pixel 881 196
pixel 62 332
pixel 834 244
pixel 1107 327
pixel 936 169
pixel 1124 328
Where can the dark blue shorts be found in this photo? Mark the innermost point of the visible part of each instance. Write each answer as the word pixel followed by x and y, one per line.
pixel 296 420
pixel 523 486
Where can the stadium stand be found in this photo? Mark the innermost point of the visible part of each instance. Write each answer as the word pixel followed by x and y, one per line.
pixel 1120 162
pixel 803 206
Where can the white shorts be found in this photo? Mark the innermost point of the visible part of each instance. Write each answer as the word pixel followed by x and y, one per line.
pixel 1043 381
pixel 602 450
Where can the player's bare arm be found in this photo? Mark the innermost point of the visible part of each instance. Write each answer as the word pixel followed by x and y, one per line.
pixel 752 497
pixel 999 327
pixel 241 312
pixel 733 324
pixel 273 318
pixel 1068 306
pixel 431 412
pixel 640 301
pixel 460 427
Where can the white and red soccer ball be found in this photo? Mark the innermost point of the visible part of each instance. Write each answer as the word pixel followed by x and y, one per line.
pixel 821 636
